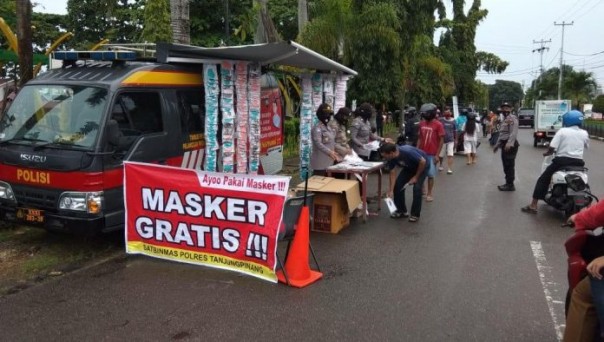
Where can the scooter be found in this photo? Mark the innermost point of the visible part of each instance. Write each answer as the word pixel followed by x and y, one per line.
pixel 568 190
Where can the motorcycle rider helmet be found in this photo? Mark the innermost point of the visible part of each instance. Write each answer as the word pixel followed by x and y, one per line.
pixel 428 111
pixel 572 118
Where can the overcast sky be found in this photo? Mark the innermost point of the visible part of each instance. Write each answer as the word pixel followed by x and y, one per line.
pixel 510 29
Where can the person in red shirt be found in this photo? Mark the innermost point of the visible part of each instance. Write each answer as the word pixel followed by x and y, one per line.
pixel 589 292
pixel 430 140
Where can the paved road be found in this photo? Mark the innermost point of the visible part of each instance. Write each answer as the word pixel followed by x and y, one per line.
pixel 473 269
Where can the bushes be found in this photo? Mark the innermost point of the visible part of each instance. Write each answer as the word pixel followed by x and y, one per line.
pixel 291 133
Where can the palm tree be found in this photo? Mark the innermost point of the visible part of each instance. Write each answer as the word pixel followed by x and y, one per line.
pixel 330 28
pixel 266 32
pixel 179 14
pixel 302 15
pixel 26 57
pixel 580 86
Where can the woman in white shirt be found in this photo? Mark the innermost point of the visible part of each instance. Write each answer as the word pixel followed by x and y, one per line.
pixel 470 130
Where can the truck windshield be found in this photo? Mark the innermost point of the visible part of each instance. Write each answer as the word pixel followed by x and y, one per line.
pixel 55 115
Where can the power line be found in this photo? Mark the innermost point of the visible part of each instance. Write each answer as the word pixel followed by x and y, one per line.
pixel 592 54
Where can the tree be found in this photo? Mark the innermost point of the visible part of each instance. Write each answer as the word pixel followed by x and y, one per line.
pixel 302 15
pixel 372 47
pixel 181 29
pixel 580 87
pixel 265 29
pixel 598 104
pixel 208 29
pixel 459 49
pixel 157 21
pixel 26 57
pixel 504 91
pixel 330 28
pixel 285 16
pixel 120 21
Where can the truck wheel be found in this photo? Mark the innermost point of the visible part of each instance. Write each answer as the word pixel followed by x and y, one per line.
pixel 535 141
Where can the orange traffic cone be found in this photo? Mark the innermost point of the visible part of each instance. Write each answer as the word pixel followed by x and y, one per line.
pixel 297 266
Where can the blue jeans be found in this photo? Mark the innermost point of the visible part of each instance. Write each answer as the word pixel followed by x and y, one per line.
pixel 399 195
pixel 597 295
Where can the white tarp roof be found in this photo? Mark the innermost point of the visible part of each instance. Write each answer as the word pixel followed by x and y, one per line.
pixel 283 53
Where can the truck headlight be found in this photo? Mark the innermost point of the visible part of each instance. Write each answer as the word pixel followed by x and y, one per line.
pixel 90 202
pixel 6 192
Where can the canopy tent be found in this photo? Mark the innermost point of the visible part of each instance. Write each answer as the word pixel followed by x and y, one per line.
pixel 283 53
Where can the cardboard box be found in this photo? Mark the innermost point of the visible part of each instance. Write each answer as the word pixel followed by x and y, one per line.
pixel 334 201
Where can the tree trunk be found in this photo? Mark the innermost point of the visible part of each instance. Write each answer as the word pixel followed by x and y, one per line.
pixel 179 15
pixel 302 15
pixel 266 32
pixel 26 58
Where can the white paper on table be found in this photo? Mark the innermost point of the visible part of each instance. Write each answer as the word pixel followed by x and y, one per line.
pixel 372 146
pixel 353 158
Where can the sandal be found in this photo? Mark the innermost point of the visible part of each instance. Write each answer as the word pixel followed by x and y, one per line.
pixel 529 210
pixel 399 214
pixel 413 218
pixel 429 198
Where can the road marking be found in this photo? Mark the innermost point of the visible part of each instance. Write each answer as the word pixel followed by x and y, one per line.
pixel 548 284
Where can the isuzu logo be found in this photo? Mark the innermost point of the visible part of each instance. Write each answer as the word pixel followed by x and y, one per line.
pixel 33 158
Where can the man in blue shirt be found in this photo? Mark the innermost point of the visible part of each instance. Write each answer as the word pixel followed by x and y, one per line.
pixel 412 163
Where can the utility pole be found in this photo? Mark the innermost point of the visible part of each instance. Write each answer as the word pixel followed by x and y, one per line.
pixel 564 24
pixel 541 49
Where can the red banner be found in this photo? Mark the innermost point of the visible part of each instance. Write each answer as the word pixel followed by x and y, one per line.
pixel 226 221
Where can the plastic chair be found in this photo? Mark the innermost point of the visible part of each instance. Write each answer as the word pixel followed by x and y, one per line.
pixel 291 213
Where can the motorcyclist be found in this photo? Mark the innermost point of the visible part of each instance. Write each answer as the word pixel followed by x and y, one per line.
pixel 412 126
pixel 568 145
pixel 589 292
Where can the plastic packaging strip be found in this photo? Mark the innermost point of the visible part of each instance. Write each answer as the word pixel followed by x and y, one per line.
pixel 254 117
pixel 241 72
pixel 210 77
pixel 340 91
pixel 228 116
pixel 306 122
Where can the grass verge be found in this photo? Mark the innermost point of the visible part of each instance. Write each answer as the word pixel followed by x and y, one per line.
pixel 31 255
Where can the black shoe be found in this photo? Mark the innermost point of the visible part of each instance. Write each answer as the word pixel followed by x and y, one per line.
pixel 399 214
pixel 506 187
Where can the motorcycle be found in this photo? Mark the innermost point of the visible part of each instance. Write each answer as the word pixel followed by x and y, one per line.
pixel 569 189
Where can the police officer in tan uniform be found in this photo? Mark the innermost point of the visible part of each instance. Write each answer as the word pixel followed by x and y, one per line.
pixel 509 146
pixel 323 142
pixel 360 131
pixel 339 123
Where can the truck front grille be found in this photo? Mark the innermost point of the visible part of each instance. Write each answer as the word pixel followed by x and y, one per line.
pixel 35 197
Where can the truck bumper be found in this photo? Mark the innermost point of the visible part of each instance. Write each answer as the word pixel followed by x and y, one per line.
pixel 56 222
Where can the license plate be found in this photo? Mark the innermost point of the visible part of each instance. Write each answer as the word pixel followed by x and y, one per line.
pixel 30 215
